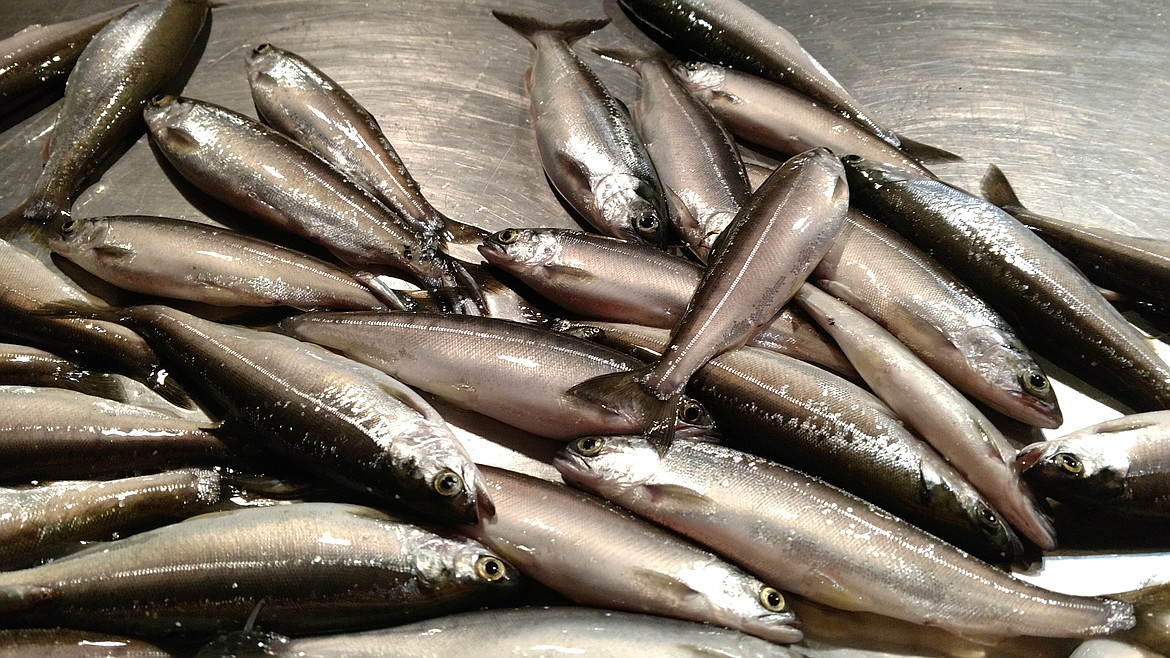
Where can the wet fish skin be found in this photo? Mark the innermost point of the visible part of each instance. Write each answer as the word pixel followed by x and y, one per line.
pixel 601 556
pixel 938 317
pixel 332 416
pixel 731 33
pixel 130 60
pixel 52 434
pixel 1136 266
pixel 35 521
pixel 519 374
pixel 772 115
pixel 1021 276
pixel 29 366
pixel 824 544
pixel 1121 465
pixel 949 423
pixel 317 566
pixel 65 643
pixel 198 262
pixel 588 145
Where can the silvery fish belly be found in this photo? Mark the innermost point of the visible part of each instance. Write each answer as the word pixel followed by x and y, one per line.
pixel 315 566
pixel 325 413
pixel 817 541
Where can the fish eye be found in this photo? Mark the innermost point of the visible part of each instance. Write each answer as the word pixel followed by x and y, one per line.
pixel 68 226
pixel 490 569
pixel 1070 463
pixel 507 236
pixel 448 483
pixel 853 159
pixel 690 412
pixel 162 100
pixel 1035 383
pixel 647 225
pixel 589 446
pixel 693 66
pixel 771 599
pixel 262 48
pixel 987 517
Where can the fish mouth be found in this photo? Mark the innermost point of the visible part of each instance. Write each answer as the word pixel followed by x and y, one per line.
pixel 1028 457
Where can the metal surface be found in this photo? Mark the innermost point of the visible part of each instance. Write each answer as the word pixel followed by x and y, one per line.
pixel 1067 97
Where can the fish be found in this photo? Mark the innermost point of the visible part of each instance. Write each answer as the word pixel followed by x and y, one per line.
pixel 806 418
pixel 759 261
pixel 126 63
pixel 198 262
pixel 602 556
pixel 1137 266
pixel 824 544
pixel 66 643
pixel 39 54
pixel 1023 278
pixel 36 521
pixel 317 567
pixel 522 632
pixel 519 374
pixel 730 33
pixel 342 420
pixel 588 145
pixel 938 317
pixel 52 433
pixel 1120 465
pixel 696 158
pixel 261 172
pixel 29 366
pixel 787 121
pixel 949 423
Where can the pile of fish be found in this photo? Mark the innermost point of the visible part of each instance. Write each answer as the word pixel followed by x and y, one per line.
pixel 737 383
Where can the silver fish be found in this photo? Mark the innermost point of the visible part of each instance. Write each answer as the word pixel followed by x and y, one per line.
pixel 316 566
pixel 519 374
pixel 949 423
pixel 28 366
pixel 51 433
pixel 130 60
pixel 823 544
pixel 65 643
pixel 1122 465
pixel 524 633
pixel 344 420
pixel 39 519
pixel 598 555
pixel 588 144
pixel 942 320
pixel 193 261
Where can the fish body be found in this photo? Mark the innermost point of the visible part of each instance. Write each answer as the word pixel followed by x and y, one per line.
pixel 130 60
pixel 938 317
pixel 28 366
pixel 1122 465
pixel 316 566
pixel 38 519
pixel 65 643
pixel 602 556
pixel 1021 276
pixel 587 141
pixel 950 423
pixel 51 433
pixel 198 262
pixel 517 373
pixel 775 116
pixel 731 33
pixel 341 419
pixel 824 544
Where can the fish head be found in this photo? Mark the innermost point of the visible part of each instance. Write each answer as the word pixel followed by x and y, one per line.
pixel 762 610
pixel 700 79
pixel 166 119
pixel 612 467
pixel 71 236
pixel 472 564
pixel 863 173
pixel 519 250
pixel 1016 385
pixel 977 528
pixel 635 205
pixel 446 483
pixel 1079 469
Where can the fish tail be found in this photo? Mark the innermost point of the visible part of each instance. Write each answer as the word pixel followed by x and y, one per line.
pixel 160 381
pixel 24 228
pixel 624 394
pixel 98 384
pixel 458 233
pixel 925 153
pixel 569 31
pixel 1142 616
pixel 392 298
pixel 997 189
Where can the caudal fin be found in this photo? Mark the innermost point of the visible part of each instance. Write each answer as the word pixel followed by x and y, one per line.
pixel 569 31
pixel 925 153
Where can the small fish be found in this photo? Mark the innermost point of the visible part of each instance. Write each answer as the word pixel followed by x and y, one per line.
pixel 317 567
pixel 197 262
pixel 1020 275
pixel 28 366
pixel 52 433
pixel 588 145
pixel 1138 267
pixel 1122 465
pixel 37 520
pixel 823 544
pixel 65 643
pixel 598 555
